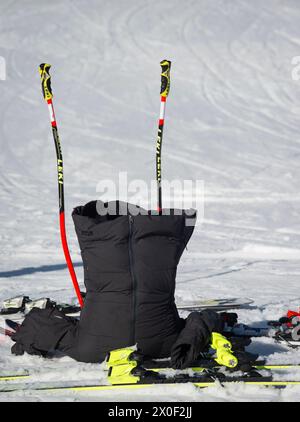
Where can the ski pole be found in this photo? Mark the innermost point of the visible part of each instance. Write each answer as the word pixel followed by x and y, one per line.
pixel 47 93
pixel 164 91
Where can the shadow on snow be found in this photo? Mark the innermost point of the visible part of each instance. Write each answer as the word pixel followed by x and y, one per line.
pixel 32 270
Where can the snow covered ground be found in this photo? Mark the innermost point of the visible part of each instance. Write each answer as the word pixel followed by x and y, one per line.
pixel 233 120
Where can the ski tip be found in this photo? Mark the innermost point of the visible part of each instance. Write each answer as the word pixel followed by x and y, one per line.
pixel 13 325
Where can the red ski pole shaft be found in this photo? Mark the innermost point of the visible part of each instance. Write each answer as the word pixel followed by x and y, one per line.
pixel 47 93
pixel 164 91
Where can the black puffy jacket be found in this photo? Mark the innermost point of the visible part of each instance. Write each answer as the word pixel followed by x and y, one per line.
pixel 130 264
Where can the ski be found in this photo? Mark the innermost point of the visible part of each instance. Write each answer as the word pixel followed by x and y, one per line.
pixel 204 381
pixel 14 305
pixel 21 305
pixel 13 377
pixel 215 304
pixel 171 383
pixel 161 366
pixel 211 364
pixel 281 333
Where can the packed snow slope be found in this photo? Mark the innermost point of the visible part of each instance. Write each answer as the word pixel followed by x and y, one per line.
pixel 233 121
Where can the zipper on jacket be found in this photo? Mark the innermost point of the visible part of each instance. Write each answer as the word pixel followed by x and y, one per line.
pixel 131 265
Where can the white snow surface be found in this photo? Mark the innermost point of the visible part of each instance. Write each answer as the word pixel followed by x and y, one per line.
pixel 232 120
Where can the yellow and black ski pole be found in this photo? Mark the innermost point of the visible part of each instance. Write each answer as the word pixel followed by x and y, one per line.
pixel 164 91
pixel 47 93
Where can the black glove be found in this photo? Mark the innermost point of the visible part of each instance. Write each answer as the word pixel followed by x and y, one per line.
pixel 41 331
pixel 229 318
pixel 194 338
pixel 246 361
pixel 239 343
pixel 19 349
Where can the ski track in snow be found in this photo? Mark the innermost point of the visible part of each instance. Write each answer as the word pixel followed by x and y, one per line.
pixel 232 121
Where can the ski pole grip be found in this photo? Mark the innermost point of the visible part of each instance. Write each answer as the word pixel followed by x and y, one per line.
pixel 46 81
pixel 165 78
